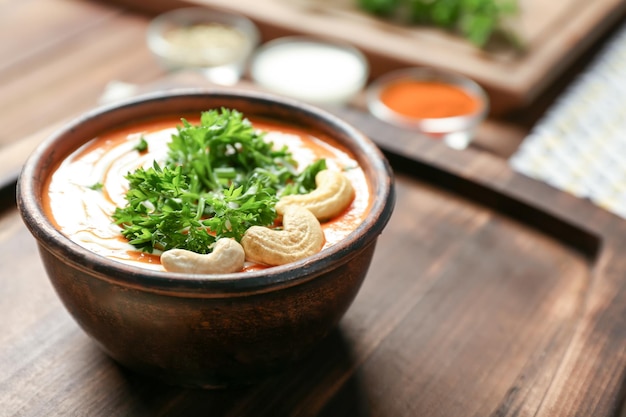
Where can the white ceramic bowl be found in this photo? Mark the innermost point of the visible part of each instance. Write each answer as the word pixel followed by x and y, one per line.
pixel 313 70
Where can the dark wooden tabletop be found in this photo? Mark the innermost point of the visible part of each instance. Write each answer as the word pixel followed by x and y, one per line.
pixel 490 294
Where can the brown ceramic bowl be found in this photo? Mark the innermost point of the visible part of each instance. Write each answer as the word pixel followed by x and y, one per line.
pixel 205 330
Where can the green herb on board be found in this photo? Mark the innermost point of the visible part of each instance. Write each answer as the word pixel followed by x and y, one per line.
pixel 220 177
pixel 478 21
pixel 379 7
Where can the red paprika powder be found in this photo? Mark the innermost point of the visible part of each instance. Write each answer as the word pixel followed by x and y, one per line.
pixel 428 99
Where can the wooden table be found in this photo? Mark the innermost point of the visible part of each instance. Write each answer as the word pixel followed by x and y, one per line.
pixel 490 294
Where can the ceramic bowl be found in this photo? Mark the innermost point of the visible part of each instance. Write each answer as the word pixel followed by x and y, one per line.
pixel 314 70
pixel 205 330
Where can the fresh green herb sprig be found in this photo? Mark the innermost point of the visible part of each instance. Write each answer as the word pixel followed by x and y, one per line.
pixel 476 20
pixel 305 181
pixel 220 177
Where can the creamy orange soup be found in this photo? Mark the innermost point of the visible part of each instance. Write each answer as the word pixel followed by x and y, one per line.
pixel 84 214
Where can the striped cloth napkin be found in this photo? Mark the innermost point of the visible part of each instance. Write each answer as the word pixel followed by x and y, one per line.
pixel 579 146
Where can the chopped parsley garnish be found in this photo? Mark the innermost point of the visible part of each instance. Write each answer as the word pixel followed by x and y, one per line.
pixel 219 178
pixel 142 146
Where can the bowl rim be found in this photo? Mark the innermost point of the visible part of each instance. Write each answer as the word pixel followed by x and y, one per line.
pixel 430 125
pixel 30 207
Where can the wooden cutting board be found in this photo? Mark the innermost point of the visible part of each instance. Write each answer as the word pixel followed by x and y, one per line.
pixel 489 294
pixel 555 34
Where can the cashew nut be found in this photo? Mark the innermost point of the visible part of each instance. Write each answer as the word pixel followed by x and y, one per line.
pixel 300 237
pixel 333 194
pixel 227 256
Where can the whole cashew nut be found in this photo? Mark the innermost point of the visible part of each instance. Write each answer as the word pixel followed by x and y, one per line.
pixel 227 256
pixel 301 236
pixel 333 194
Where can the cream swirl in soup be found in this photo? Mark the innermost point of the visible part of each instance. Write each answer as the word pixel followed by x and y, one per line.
pixel 90 183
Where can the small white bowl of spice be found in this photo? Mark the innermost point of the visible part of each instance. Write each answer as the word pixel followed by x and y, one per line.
pixel 215 42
